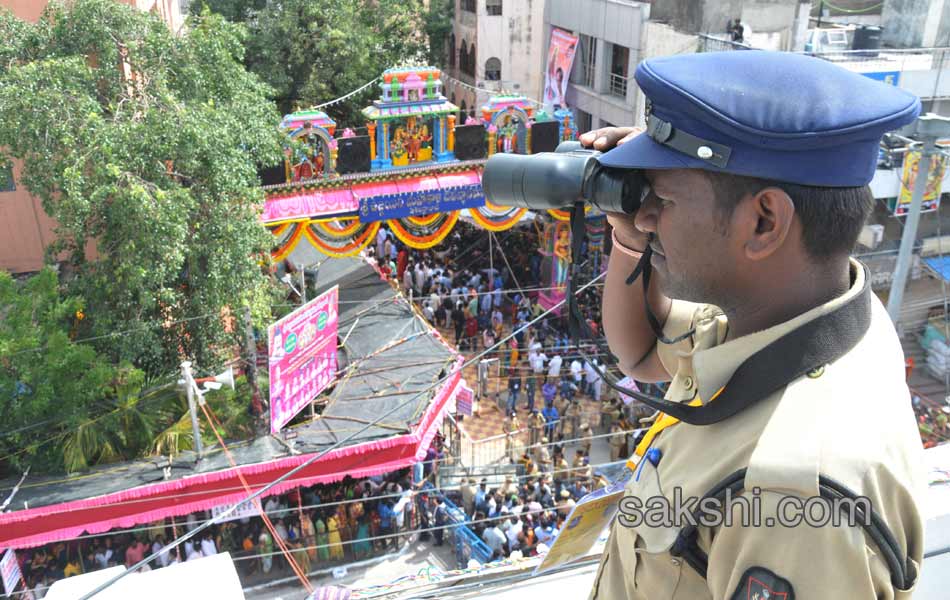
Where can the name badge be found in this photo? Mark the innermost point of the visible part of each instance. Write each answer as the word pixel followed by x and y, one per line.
pixel 584 526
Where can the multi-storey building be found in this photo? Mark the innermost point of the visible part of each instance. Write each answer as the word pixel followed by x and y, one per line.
pixel 495 46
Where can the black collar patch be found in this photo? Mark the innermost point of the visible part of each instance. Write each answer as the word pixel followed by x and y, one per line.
pixel 758 583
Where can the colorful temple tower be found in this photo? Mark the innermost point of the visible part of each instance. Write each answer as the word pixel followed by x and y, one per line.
pixel 313 155
pixel 410 124
pixel 509 120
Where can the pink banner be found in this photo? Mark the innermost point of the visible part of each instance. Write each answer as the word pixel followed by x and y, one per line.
pixel 463 400
pixel 302 356
pixel 311 204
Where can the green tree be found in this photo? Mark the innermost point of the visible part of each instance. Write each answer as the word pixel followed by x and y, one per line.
pixel 312 51
pixel 65 407
pixel 438 26
pixel 145 146
pixel 49 385
pixel 237 11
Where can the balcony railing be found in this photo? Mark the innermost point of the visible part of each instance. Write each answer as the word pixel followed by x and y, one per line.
pixel 617 85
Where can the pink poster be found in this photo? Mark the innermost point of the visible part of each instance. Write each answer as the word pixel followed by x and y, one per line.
pixel 302 356
pixel 463 400
pixel 560 60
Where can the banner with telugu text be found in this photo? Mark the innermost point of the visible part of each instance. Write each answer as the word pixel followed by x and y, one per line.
pixel 420 203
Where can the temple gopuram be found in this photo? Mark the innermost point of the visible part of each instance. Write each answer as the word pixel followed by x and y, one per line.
pixel 411 165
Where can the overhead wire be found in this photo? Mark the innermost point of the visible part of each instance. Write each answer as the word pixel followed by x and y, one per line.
pixel 205 492
pixel 213 421
pixel 304 464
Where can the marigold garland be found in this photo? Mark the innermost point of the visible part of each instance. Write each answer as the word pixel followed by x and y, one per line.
pixel 565 215
pixel 424 220
pixel 486 219
pixel 284 249
pixel 339 228
pixel 355 245
pixel 429 236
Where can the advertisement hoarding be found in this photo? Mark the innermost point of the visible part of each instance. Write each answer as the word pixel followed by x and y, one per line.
pixel 301 351
pixel 558 72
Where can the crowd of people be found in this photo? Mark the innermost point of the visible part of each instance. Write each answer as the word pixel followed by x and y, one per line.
pixel 483 298
pixel 321 526
pixel 460 288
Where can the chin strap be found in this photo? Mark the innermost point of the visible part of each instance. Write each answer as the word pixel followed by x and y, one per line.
pixel 819 342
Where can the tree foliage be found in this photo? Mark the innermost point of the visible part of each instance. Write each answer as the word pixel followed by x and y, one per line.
pixel 312 51
pixel 48 385
pixel 66 407
pixel 144 147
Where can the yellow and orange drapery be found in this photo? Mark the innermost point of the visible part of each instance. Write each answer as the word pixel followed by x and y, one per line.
pixel 334 237
pixel 496 218
pixel 422 233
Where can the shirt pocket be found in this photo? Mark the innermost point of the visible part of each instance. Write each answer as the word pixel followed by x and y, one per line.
pixel 657 572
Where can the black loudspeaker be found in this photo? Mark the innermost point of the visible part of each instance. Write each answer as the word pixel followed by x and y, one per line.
pixel 471 142
pixel 353 155
pixel 545 136
pixel 272 175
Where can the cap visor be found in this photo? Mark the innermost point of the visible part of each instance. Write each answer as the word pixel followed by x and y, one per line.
pixel 643 153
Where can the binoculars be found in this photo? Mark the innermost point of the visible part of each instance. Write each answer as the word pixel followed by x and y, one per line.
pixel 559 179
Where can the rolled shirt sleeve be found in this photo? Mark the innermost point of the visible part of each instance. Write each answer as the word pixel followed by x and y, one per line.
pixel 678 322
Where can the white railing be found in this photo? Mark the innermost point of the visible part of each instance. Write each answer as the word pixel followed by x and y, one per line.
pixel 617 85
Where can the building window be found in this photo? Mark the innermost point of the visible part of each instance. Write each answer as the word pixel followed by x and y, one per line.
pixel 619 63
pixel 493 69
pixel 463 57
pixel 493 7
pixel 583 121
pixel 468 5
pixel 587 61
pixel 451 49
pixel 470 67
pixel 6 178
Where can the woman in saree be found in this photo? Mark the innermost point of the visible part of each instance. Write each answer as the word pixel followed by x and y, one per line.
pixel 323 550
pixel 362 546
pixel 308 534
pixel 333 532
pixel 265 548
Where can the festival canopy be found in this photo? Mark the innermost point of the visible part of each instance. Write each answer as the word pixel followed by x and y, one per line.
pixel 393 360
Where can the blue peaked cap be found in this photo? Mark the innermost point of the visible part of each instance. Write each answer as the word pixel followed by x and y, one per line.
pixel 772 115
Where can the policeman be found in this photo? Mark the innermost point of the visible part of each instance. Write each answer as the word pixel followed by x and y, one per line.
pixel 786 375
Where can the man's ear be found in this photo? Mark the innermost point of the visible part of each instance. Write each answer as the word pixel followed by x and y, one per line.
pixel 767 218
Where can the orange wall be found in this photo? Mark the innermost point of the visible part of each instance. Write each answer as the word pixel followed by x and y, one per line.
pixel 25 230
pixel 169 10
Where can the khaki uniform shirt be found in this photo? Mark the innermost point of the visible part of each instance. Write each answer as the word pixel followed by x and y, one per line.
pixel 851 421
pixel 468 496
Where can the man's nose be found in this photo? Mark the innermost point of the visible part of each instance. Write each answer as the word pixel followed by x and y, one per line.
pixel 646 217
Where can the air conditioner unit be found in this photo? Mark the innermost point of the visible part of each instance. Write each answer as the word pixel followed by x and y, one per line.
pixel 871 236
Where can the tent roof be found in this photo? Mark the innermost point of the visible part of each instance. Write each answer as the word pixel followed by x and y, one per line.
pixel 386 372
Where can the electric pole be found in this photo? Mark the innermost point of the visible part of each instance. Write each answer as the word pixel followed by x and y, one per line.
pixel 192 408
pixel 250 350
pixel 926 130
